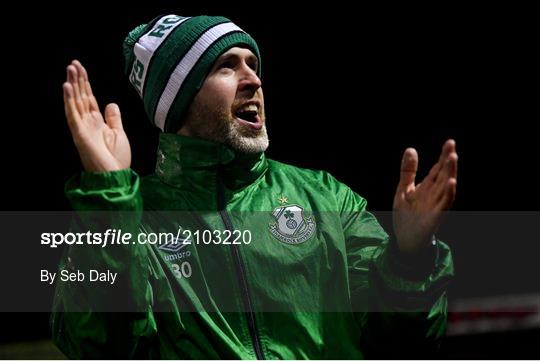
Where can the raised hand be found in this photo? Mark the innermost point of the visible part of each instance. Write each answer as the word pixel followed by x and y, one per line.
pixel 418 208
pixel 102 143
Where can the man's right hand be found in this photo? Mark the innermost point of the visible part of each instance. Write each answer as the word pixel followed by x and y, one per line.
pixel 102 144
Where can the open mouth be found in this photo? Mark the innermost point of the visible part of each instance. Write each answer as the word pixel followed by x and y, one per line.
pixel 248 115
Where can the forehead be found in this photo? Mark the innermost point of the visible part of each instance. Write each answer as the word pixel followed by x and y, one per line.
pixel 240 52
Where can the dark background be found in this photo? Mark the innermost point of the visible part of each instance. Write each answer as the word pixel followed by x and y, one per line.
pixel 347 89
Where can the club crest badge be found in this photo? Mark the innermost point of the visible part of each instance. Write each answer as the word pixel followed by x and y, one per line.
pixel 291 225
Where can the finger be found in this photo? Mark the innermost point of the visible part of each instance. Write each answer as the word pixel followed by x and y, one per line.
pixel 448 147
pixel 73 80
pixel 452 166
pixel 448 172
pixel 113 116
pixel 93 101
pixel 67 92
pixel 409 167
pixel 81 80
pixel 80 69
pixel 449 195
pixel 72 114
pixel 91 98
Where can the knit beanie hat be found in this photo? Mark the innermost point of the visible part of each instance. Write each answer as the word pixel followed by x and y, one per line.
pixel 168 59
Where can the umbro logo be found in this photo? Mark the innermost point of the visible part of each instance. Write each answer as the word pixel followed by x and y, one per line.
pixel 176 245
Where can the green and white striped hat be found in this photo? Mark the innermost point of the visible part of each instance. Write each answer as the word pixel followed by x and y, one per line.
pixel 168 59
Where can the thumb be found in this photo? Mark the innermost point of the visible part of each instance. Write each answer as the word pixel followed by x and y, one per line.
pixel 112 116
pixel 409 166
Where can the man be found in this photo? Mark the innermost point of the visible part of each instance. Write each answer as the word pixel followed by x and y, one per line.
pixel 319 278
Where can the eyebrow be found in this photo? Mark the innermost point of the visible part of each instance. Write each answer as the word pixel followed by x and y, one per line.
pixel 251 57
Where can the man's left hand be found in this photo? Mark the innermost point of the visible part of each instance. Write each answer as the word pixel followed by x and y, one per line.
pixel 418 208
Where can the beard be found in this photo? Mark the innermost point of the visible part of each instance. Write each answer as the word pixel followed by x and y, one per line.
pixel 218 125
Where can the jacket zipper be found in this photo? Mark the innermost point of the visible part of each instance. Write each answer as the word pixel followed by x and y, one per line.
pixel 250 314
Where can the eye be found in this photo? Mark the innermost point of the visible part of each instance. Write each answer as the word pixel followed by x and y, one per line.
pixel 226 64
pixel 253 66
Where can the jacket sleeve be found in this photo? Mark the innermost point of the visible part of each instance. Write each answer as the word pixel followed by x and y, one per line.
pixel 400 302
pixel 84 324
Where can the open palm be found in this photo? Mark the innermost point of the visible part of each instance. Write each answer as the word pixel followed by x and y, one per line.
pixel 101 141
pixel 418 208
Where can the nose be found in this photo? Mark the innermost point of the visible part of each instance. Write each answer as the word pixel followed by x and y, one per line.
pixel 249 79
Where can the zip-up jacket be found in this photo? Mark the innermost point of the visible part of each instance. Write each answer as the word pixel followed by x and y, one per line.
pixel 319 277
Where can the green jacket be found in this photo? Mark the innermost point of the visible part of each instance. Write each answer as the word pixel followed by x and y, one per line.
pixel 302 288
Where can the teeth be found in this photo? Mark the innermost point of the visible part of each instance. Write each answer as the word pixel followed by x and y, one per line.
pixel 249 108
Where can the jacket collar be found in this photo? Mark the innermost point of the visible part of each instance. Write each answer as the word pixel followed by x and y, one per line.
pixel 195 164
